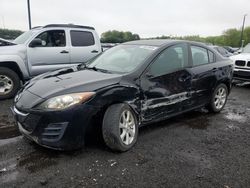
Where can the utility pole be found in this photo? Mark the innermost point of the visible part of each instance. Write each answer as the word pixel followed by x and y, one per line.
pixel 29 16
pixel 242 31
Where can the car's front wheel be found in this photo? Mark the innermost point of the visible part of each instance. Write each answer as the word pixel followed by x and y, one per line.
pixel 9 83
pixel 120 127
pixel 219 98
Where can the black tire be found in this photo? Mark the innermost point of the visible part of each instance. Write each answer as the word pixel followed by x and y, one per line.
pixel 212 106
pixel 16 82
pixel 111 130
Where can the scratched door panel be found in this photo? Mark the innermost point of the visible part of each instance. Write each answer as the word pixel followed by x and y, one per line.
pixel 165 95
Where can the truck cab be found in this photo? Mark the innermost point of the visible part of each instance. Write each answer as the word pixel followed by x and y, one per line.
pixel 44 49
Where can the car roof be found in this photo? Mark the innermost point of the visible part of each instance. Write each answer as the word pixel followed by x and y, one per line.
pixel 151 42
pixel 161 42
pixel 64 26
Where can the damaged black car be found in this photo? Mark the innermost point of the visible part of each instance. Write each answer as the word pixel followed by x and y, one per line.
pixel 127 86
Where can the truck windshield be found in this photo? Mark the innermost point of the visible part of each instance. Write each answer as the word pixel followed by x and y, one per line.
pixel 246 49
pixel 122 58
pixel 23 37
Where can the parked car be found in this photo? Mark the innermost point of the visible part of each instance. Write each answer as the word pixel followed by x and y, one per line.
pixel 222 51
pixel 127 86
pixel 45 49
pixel 230 49
pixel 106 46
pixel 242 64
pixel 4 42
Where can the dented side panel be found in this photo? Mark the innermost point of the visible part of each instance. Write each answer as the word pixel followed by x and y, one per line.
pixel 165 95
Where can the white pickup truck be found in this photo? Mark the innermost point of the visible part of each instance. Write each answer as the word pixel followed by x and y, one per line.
pixel 44 49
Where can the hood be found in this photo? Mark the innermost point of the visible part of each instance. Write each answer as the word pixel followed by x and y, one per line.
pixel 70 80
pixel 4 42
pixel 242 56
pixel 12 49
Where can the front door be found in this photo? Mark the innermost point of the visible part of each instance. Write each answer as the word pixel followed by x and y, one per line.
pixel 166 84
pixel 51 55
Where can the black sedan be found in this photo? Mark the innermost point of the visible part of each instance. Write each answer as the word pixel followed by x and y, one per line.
pixel 128 86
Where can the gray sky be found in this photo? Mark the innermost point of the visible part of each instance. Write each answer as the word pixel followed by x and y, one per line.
pixel 147 18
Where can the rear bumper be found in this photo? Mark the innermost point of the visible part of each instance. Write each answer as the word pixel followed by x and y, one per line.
pixel 60 130
pixel 241 74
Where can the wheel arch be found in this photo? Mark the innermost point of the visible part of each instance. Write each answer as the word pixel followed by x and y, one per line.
pixel 14 67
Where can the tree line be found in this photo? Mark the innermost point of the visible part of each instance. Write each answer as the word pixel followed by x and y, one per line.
pixel 230 37
pixel 9 34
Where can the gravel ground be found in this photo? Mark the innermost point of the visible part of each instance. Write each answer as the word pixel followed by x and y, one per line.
pixel 197 149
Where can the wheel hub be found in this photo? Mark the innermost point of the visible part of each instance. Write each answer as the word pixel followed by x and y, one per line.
pixel 220 98
pixel 127 127
pixel 6 85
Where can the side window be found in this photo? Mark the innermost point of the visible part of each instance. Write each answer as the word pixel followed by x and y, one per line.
pixel 172 59
pixel 53 38
pixel 82 38
pixel 199 55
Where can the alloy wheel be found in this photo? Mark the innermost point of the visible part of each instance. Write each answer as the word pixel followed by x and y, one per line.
pixel 127 127
pixel 220 98
pixel 6 84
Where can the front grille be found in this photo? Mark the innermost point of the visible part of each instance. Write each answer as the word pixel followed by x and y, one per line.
pixel 240 63
pixel 54 132
pixel 248 63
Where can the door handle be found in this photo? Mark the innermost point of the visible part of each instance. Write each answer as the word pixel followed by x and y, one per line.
pixel 64 52
pixel 94 51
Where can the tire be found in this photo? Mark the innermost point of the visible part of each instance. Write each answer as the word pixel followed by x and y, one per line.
pixel 111 128
pixel 9 83
pixel 214 106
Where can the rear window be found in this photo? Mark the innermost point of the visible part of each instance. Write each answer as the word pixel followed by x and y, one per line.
pixel 82 38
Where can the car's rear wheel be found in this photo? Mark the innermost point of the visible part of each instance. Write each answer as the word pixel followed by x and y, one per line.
pixel 120 127
pixel 9 83
pixel 219 98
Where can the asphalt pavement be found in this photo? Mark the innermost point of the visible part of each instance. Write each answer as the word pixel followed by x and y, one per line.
pixel 197 149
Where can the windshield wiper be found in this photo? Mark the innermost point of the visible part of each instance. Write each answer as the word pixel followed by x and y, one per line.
pixel 84 66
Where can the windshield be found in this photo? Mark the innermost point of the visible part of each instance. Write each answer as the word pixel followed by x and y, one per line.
pixel 246 49
pixel 122 58
pixel 23 37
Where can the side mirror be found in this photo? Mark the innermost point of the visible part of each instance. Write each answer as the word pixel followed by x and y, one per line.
pixel 35 43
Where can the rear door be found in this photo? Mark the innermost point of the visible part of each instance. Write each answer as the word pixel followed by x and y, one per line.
pixel 84 46
pixel 51 55
pixel 204 74
pixel 166 84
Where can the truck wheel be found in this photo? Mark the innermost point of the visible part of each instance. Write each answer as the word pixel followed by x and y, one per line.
pixel 218 99
pixel 9 83
pixel 120 128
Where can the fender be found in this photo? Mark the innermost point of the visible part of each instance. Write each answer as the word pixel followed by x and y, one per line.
pixel 5 59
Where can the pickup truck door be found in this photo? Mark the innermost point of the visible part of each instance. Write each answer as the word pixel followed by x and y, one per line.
pixel 84 46
pixel 51 54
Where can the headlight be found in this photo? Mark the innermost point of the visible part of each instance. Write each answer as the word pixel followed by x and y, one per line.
pixel 65 101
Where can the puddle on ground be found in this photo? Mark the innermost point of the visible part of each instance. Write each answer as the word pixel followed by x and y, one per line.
pixel 8 132
pixel 236 117
pixel 36 161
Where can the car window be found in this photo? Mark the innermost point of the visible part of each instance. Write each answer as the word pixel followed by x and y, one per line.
pixel 53 38
pixel 172 59
pixel 82 38
pixel 199 55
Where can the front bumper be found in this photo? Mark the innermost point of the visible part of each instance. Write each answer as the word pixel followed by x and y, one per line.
pixel 241 74
pixel 61 130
